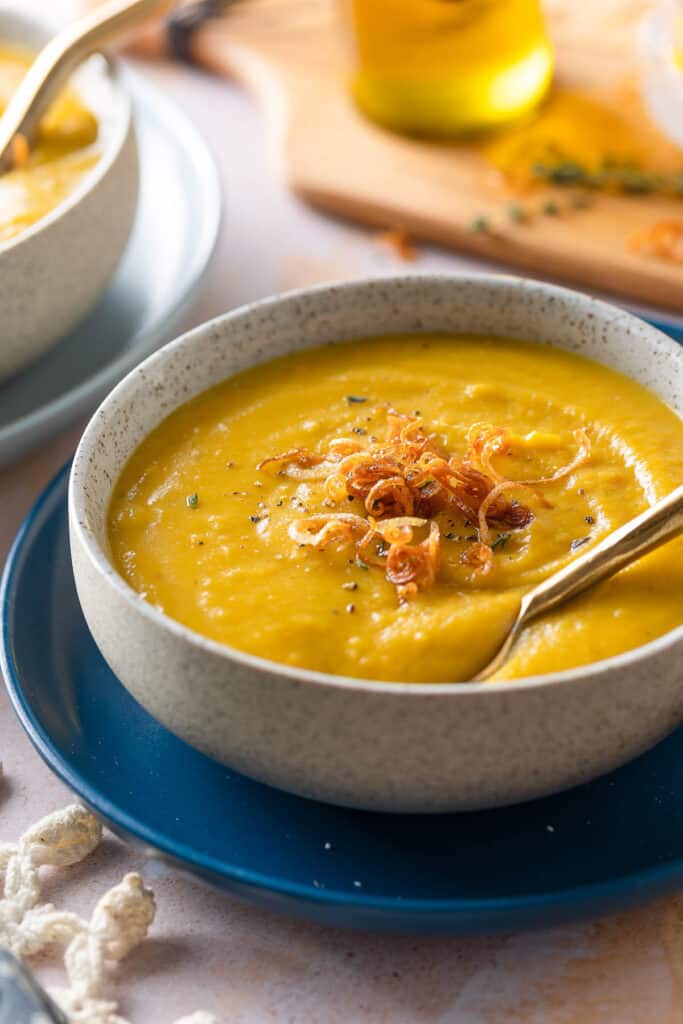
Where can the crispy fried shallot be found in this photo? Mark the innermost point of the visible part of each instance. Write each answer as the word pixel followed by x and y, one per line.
pixel 479 556
pixel 301 457
pixel 485 441
pixel 582 455
pixel 404 482
pixel 320 530
pixel 494 500
pixel 413 567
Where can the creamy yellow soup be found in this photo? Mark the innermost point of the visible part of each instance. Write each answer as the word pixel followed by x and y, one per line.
pixel 64 151
pixel 205 536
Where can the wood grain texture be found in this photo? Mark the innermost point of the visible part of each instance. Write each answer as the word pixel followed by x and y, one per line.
pixel 293 53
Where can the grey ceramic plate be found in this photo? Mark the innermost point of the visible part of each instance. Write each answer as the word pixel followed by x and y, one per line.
pixel 173 239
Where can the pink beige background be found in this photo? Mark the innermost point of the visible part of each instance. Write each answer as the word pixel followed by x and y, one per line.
pixel 248 967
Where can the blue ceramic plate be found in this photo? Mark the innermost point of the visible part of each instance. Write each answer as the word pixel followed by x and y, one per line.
pixel 603 846
pixel 172 241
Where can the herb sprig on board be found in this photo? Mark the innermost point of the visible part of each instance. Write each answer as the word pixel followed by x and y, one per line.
pixel 611 177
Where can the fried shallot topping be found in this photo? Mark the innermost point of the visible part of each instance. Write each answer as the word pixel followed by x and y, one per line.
pixel 403 483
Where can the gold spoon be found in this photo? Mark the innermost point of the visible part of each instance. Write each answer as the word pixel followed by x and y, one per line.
pixel 55 63
pixel 658 524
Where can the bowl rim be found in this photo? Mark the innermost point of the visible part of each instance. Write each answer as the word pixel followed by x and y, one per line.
pixel 122 118
pixel 100 562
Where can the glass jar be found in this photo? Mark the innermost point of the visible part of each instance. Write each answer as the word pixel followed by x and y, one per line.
pixel 447 67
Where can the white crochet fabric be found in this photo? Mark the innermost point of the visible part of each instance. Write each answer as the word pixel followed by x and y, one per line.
pixel 118 924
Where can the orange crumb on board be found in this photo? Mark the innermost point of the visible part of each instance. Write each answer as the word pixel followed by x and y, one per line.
pixel 663 240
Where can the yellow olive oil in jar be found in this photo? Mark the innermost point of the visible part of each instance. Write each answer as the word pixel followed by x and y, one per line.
pixel 446 67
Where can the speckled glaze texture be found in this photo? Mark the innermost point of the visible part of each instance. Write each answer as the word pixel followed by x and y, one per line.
pixel 381 746
pixel 52 274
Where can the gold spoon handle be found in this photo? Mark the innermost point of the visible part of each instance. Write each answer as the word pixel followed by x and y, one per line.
pixel 58 60
pixel 653 527
pixel 657 524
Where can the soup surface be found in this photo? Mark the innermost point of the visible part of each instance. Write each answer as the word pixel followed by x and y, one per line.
pixel 64 151
pixel 276 560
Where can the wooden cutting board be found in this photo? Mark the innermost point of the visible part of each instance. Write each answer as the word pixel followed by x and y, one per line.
pixel 293 54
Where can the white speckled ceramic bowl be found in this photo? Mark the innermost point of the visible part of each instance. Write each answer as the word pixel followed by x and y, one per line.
pixel 55 271
pixel 386 746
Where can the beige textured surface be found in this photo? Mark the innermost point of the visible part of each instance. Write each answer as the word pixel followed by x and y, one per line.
pixel 245 965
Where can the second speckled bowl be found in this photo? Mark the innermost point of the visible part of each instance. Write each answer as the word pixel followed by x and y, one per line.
pixel 382 746
pixel 54 272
